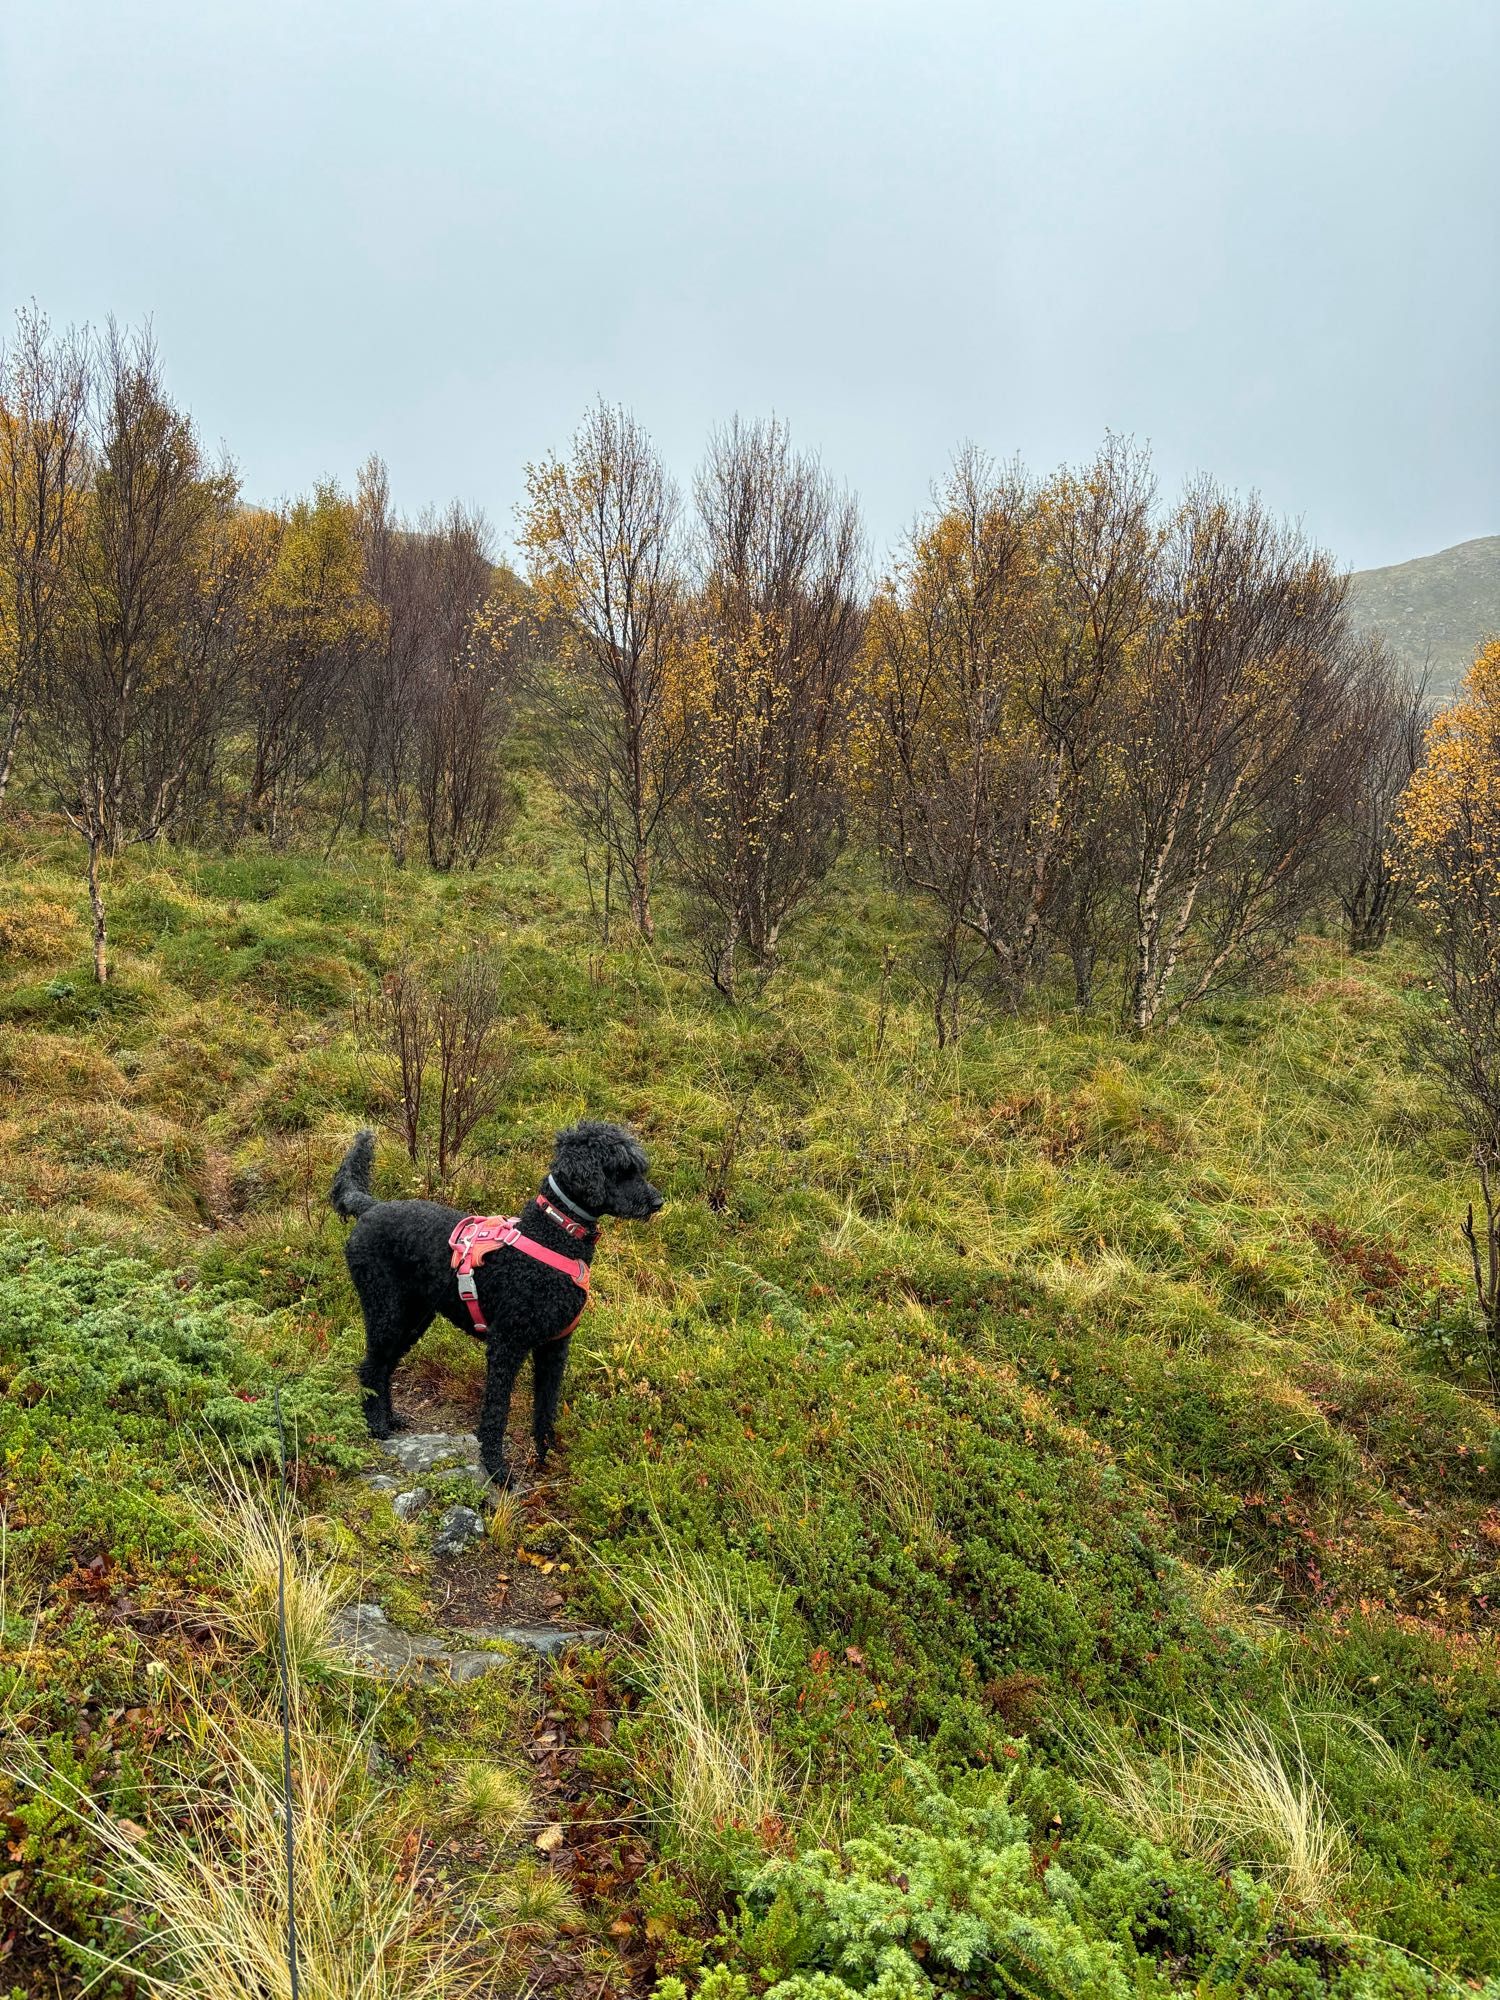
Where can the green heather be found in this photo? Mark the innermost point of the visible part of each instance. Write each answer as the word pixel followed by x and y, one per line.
pixel 1039 1489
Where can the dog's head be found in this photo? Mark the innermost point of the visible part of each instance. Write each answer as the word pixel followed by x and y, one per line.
pixel 603 1168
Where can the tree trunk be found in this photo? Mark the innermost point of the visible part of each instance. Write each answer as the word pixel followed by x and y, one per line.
pixel 8 751
pixel 1083 975
pixel 723 964
pixel 96 904
pixel 640 893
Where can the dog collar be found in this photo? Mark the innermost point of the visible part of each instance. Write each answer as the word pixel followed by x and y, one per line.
pixel 569 1203
pixel 580 1232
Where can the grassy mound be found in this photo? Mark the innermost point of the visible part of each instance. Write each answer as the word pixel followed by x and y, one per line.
pixel 1086 1421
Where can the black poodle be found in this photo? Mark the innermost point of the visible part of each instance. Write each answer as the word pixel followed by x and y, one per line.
pixel 404 1271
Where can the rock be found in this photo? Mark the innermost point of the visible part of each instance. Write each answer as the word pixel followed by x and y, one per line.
pixel 543 1638
pixel 406 1504
pixel 364 1634
pixel 423 1451
pixel 382 1482
pixel 459 1529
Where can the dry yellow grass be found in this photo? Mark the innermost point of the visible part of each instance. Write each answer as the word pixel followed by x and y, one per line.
pixel 710 1685
pixel 487 1798
pixel 256 1549
pixel 1238 1793
pixel 210 1871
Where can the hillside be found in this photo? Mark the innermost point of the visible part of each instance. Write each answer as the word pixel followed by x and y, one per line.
pixel 1034 1494
pixel 1436 609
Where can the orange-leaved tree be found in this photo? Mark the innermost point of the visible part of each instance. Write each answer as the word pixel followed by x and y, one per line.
pixel 44 385
pixel 999 655
pixel 600 530
pixel 316 624
pixel 1448 833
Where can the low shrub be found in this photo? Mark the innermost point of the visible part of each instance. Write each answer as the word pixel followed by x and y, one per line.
pixel 958 1896
pixel 110 1374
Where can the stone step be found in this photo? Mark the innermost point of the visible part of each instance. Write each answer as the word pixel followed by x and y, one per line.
pixel 366 1637
pixel 425 1451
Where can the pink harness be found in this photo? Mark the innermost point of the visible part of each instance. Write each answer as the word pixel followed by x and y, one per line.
pixel 477 1235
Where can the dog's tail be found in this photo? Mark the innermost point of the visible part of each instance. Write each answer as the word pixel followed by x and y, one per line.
pixel 350 1193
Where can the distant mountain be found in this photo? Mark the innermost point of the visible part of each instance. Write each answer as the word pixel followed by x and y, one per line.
pixel 1434 611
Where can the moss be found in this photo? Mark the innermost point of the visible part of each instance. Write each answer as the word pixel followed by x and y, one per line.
pixel 37 930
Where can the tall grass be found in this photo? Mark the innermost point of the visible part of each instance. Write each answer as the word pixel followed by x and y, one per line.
pixel 710 1684
pixel 19 1632
pixel 202 1891
pixel 1234 1792
pixel 491 1800
pixel 208 1877
pixel 255 1546
pixel 899 1480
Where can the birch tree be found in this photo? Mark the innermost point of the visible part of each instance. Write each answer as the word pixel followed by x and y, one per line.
pixel 999 654
pixel 44 385
pixel 1392 710
pixel 1236 752
pixel 769 684
pixel 949 742
pixel 133 570
pixel 1448 834
pixel 601 530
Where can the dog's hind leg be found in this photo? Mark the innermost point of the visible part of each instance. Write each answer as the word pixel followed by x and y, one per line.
pixel 505 1360
pixel 548 1363
pixel 390 1332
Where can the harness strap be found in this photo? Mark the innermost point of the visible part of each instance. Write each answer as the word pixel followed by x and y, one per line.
pixel 477 1235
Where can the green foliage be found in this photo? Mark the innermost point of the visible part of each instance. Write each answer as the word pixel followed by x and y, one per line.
pixel 955 1898
pixel 115 1381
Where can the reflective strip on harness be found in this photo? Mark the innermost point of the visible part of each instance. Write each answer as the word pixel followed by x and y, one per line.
pixel 477 1235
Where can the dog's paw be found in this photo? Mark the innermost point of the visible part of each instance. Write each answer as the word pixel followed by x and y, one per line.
pixel 397 1424
pixel 504 1478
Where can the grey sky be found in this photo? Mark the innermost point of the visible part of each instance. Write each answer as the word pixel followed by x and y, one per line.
pixel 1263 235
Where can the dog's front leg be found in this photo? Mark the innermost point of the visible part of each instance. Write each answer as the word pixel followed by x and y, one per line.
pixel 505 1358
pixel 547 1366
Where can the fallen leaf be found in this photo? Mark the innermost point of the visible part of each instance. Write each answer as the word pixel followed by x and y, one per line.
pixel 550 1839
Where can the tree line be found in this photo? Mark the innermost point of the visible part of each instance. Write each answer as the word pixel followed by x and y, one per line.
pixel 176 662
pixel 1081 728
pixel 1097 737
pixel 1088 732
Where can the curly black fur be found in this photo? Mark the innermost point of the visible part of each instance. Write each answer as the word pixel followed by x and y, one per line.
pixel 400 1262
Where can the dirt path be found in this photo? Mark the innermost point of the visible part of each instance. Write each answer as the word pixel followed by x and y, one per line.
pixel 487 1596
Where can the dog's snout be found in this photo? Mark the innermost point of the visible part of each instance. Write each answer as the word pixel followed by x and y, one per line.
pixel 658 1200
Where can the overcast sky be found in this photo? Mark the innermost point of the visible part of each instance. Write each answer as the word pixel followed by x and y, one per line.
pixel 1263 235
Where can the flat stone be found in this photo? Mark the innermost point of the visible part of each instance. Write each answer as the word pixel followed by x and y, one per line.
pixel 423 1451
pixel 406 1504
pixel 458 1529
pixel 382 1482
pixel 371 1642
pixel 543 1638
